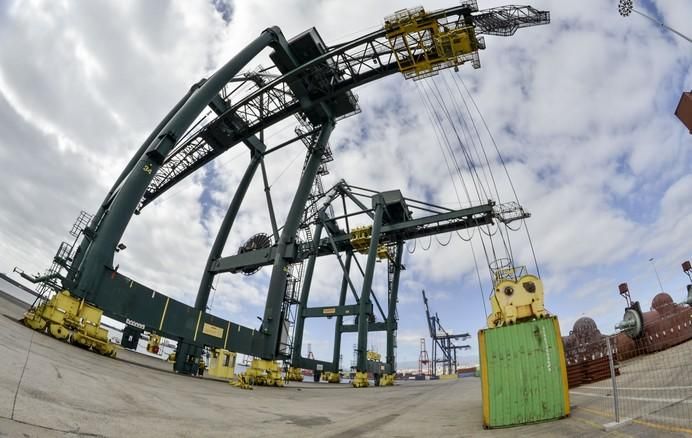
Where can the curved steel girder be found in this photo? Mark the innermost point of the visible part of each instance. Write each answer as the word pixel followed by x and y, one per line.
pixel 326 78
pixel 100 251
pixel 198 152
pixel 320 80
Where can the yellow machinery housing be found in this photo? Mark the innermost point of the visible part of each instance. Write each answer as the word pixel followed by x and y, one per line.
pixel 222 364
pixel 331 377
pixel 360 241
pixel 387 380
pixel 261 373
pixel 514 300
pixel 374 356
pixel 360 380
pixel 154 343
pixel 294 374
pixel 423 45
pixel 73 320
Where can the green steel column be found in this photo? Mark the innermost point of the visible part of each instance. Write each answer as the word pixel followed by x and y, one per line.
pixel 367 284
pixel 108 235
pixel 270 206
pixel 304 293
pixel 224 230
pixel 84 245
pixel 391 307
pixel 340 319
pixel 271 323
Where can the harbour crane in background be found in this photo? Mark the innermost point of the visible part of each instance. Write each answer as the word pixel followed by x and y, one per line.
pixel 444 342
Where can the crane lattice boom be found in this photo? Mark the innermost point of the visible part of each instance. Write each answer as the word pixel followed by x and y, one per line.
pixel 414 42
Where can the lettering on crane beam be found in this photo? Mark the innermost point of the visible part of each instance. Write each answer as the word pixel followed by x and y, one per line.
pixel 139 325
pixel 212 330
pixel 329 311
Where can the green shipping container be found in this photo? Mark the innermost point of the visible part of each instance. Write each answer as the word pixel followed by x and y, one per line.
pixel 523 373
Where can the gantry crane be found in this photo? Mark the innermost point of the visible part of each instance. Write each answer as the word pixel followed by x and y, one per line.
pixel 314 83
pixel 443 341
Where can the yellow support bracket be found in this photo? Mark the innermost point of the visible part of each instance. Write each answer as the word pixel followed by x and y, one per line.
pixel 374 356
pixel 360 241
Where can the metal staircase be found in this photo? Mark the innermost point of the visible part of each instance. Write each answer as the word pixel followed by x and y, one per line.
pixel 294 274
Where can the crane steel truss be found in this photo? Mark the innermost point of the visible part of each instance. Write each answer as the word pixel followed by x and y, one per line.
pixel 443 341
pixel 312 82
pixel 328 78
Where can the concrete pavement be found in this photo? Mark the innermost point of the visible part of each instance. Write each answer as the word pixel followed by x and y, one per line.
pixel 50 388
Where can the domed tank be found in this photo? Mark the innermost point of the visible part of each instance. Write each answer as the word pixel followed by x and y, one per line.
pixel 663 304
pixel 585 329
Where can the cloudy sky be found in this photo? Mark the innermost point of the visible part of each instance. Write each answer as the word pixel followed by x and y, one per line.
pixel 582 111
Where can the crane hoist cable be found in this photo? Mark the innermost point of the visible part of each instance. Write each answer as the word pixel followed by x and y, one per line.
pixel 475 142
pixel 480 283
pixel 429 244
pixel 437 126
pixel 455 81
pixel 441 134
pixel 444 244
pixel 411 251
pixel 506 243
pixel 436 130
pixel 469 161
pixel 439 143
pixel 504 166
pixel 505 240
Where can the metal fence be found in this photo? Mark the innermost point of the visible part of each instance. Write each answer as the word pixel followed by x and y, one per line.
pixel 647 381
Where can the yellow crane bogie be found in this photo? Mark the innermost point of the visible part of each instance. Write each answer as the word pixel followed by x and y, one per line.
pixel 260 373
pixel 360 380
pixel 294 374
pixel 387 380
pixel 58 331
pixel 73 320
pixel 331 377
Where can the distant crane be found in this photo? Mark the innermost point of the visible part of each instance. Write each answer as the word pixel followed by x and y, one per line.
pixel 443 341
pixel 423 360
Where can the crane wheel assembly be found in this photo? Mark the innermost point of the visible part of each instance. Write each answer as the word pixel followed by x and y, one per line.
pixel 387 380
pixel 360 380
pixel 72 320
pixel 332 377
pixel 261 373
pixel 294 374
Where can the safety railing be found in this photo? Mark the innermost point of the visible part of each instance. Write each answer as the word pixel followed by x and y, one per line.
pixel 647 380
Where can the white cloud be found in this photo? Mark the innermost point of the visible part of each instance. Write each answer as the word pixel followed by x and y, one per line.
pixel 581 109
